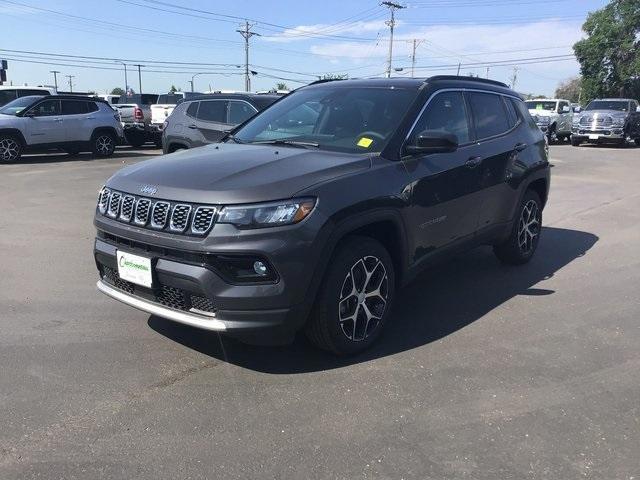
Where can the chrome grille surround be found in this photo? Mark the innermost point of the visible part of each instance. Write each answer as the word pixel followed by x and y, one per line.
pixel 143 207
pixel 179 217
pixel 160 214
pixel 174 217
pixel 114 204
pixel 203 220
pixel 126 210
pixel 103 200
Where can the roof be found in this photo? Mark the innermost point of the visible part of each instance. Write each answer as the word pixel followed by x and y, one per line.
pixel 613 100
pixel 208 96
pixel 26 87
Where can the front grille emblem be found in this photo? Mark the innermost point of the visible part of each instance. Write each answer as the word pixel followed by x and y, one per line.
pixel 148 190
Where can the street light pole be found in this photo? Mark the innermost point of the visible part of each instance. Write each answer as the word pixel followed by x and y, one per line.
pixel 126 81
pixel 55 78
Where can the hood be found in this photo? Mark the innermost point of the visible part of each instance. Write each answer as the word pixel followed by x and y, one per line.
pixel 230 173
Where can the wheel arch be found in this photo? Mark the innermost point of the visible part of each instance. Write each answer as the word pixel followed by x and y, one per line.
pixel 14 132
pixel 99 130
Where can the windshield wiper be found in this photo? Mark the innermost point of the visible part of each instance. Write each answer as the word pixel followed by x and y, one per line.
pixel 234 139
pixel 293 143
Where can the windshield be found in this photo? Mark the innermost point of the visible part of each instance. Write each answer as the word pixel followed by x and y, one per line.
pixel 541 105
pixel 620 106
pixel 338 118
pixel 18 105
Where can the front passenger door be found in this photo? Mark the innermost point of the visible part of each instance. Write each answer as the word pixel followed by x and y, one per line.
pixel 44 123
pixel 445 193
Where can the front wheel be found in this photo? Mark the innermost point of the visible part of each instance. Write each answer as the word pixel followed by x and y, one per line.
pixel 104 144
pixel 525 234
pixel 575 142
pixel 10 149
pixel 355 298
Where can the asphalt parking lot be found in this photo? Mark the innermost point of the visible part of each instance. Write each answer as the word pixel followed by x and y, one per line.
pixel 486 372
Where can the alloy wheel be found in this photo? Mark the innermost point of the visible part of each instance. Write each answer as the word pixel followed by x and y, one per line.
pixel 104 145
pixel 9 149
pixel 529 226
pixel 363 298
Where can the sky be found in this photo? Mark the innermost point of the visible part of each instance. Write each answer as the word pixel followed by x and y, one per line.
pixel 177 41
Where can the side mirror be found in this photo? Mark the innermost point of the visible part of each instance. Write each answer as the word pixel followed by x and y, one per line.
pixel 638 109
pixel 577 109
pixel 433 141
pixel 30 113
pixel 566 109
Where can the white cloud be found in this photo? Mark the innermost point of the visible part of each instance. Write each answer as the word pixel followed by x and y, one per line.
pixel 444 45
pixel 304 32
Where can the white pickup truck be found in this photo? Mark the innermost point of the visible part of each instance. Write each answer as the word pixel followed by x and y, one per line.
pixel 164 107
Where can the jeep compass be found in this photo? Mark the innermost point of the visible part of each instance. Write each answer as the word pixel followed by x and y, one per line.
pixel 312 214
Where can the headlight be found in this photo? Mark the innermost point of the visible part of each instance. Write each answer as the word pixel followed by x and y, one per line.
pixel 263 215
pixel 544 120
pixel 618 121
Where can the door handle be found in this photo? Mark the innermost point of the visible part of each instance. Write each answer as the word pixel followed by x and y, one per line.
pixel 520 147
pixel 192 127
pixel 91 118
pixel 473 162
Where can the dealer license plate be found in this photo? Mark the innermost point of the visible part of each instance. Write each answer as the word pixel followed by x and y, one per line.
pixel 134 268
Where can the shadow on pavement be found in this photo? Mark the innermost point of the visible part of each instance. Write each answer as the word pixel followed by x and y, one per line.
pixel 441 301
pixel 55 156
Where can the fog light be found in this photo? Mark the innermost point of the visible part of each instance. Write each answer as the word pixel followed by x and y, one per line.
pixel 260 268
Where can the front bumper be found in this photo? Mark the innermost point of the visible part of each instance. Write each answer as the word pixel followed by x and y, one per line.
pixel 190 289
pixel 586 133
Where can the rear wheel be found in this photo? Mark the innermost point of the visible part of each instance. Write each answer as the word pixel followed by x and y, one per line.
pixel 525 234
pixel 355 298
pixel 10 149
pixel 575 142
pixel 104 144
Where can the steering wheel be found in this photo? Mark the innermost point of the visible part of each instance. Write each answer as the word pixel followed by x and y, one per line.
pixel 371 134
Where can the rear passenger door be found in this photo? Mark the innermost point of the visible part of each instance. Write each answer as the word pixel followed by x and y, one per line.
pixel 446 193
pixel 493 120
pixel 211 122
pixel 78 121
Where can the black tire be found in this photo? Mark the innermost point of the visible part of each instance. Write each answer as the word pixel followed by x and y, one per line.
pixel 362 256
pixel 103 144
pixel 523 240
pixel 575 142
pixel 10 148
pixel 637 141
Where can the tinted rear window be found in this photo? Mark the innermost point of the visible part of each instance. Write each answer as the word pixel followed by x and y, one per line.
pixel 213 111
pixel 490 116
pixel 169 99
pixel 192 110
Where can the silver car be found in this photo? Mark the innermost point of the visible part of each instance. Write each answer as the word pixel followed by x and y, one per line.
pixel 209 118
pixel 64 122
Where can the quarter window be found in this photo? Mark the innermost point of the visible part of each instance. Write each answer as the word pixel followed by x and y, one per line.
pixel 489 114
pixel 511 111
pixel 213 111
pixel 92 107
pixel 446 113
pixel 192 109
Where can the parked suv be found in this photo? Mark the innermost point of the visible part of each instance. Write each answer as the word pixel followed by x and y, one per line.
pixel 614 120
pixel 314 224
pixel 9 93
pixel 210 117
pixel 69 123
pixel 553 116
pixel 135 115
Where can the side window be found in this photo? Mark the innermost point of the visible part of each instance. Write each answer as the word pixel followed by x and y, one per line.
pixel 489 114
pixel 47 108
pixel 92 107
pixel 7 96
pixel 447 113
pixel 561 106
pixel 240 112
pixel 192 110
pixel 511 111
pixel 213 111
pixel 73 107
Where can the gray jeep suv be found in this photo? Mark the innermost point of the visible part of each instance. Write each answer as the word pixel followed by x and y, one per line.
pixel 69 123
pixel 313 224
pixel 208 118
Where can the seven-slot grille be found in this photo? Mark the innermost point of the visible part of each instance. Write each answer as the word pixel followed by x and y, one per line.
pixel 600 121
pixel 156 214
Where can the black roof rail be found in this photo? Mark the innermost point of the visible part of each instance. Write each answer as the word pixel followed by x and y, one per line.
pixel 467 79
pixel 325 80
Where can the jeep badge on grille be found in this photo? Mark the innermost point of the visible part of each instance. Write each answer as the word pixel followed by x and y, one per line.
pixel 148 190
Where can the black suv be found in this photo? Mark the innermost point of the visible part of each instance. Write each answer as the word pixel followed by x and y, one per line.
pixel 312 214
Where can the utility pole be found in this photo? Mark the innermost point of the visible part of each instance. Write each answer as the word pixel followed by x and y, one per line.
pixel 487 72
pixel 514 77
pixel 459 65
pixel 247 34
pixel 139 76
pixel 416 43
pixel 55 78
pixel 391 23
pixel 70 77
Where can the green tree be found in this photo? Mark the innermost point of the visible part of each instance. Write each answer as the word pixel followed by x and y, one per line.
pixel 117 91
pixel 610 54
pixel 173 89
pixel 281 86
pixel 570 89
